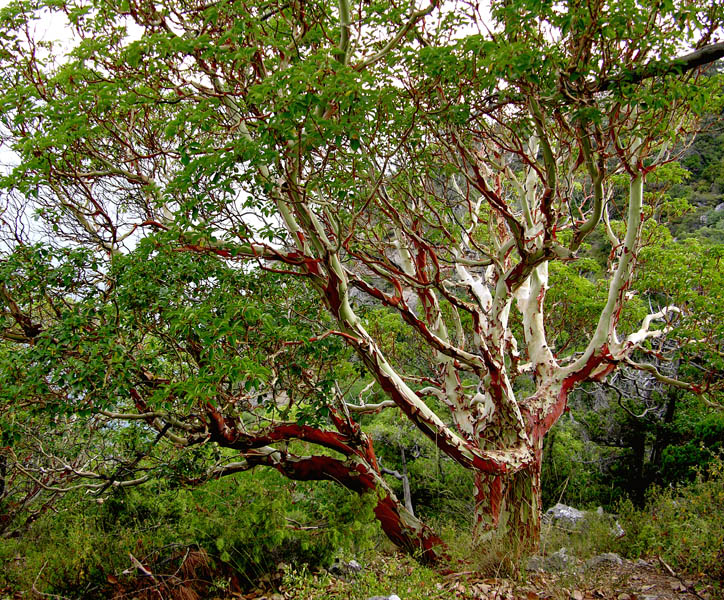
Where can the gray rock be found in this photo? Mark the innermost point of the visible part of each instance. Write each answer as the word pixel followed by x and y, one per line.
pixel 604 560
pixel 719 207
pixel 343 569
pixel 559 561
pixel 392 597
pixel 566 516
pixel 571 518
pixel 354 566
pixel 555 563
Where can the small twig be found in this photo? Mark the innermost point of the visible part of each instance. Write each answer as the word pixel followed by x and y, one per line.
pixel 460 574
pixel 689 588
pixel 38 592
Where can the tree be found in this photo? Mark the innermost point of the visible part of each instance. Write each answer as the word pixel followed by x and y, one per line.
pixel 423 159
pixel 634 421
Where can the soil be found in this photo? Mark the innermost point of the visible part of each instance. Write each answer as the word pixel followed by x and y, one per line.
pixel 632 580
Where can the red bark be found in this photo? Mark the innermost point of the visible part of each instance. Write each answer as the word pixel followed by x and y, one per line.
pixel 224 432
pixel 518 496
pixel 402 528
pixel 358 472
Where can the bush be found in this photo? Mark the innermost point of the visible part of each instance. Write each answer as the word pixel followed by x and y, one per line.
pixel 246 525
pixel 706 435
pixel 571 469
pixel 681 524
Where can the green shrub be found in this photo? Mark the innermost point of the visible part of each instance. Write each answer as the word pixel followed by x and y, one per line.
pixel 682 525
pixel 249 524
pixel 680 462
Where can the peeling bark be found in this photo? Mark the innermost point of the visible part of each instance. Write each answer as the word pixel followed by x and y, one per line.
pixel 449 223
pixel 508 508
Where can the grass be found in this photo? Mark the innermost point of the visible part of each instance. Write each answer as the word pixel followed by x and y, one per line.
pixel 384 575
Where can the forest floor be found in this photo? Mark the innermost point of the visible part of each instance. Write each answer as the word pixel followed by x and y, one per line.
pixel 631 580
pixel 387 573
pixel 628 581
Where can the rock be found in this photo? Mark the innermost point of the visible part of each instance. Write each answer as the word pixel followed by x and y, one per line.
pixel 719 207
pixel 574 519
pixel 392 597
pixel 641 563
pixel 564 515
pixel 535 563
pixel 601 560
pixel 343 569
pixel 354 566
pixel 556 562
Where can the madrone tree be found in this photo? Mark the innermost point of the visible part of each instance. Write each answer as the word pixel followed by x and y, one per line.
pixel 433 159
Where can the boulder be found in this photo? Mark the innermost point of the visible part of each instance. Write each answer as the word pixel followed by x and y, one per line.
pixel 571 518
pixel 565 516
pixel 604 560
pixel 555 563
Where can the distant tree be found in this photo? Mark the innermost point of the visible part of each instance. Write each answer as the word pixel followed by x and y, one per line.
pixel 433 160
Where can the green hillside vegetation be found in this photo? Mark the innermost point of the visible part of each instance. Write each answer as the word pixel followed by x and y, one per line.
pixel 309 300
pixel 245 528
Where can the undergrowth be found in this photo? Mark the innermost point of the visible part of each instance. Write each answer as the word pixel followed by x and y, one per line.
pixel 388 574
pixel 246 525
pixel 245 528
pixel 684 525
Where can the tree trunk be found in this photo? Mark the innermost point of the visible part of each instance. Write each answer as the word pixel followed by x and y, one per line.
pixel 638 449
pixel 508 509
